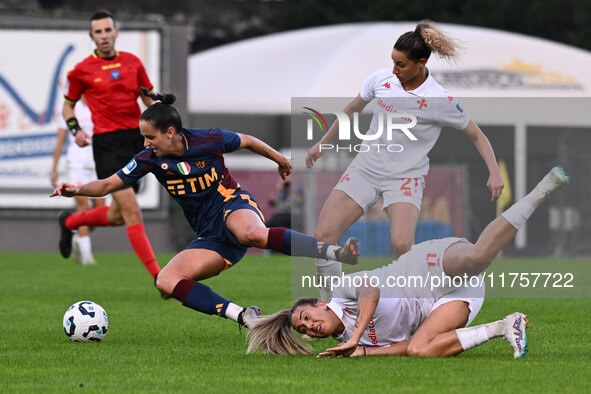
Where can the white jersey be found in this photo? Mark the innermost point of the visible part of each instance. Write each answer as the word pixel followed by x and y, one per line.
pixel 394 320
pixel 77 156
pixel 433 108
pixel 401 309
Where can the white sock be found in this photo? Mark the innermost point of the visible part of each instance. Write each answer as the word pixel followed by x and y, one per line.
pixel 473 336
pixel 331 252
pixel 84 245
pixel 232 311
pixel 327 268
pixel 519 212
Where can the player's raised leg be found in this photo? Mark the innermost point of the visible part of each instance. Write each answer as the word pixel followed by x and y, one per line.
pixel 249 230
pixel 464 257
pixel 96 217
pixel 123 210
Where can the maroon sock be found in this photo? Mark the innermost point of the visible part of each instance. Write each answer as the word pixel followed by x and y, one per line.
pixel 275 238
pixel 182 289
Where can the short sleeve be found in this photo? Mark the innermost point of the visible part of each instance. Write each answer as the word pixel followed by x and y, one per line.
pixel 230 140
pixel 452 114
pixel 137 167
pixel 368 92
pixel 74 85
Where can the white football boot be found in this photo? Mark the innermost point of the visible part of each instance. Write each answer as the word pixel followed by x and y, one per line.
pixel 553 181
pixel 515 325
pixel 249 316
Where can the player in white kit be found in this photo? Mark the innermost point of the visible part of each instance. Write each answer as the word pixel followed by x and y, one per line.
pixel 394 167
pixel 79 170
pixel 374 317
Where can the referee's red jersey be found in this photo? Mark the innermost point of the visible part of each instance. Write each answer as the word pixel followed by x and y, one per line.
pixel 111 90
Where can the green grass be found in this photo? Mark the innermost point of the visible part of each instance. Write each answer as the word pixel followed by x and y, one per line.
pixel 160 346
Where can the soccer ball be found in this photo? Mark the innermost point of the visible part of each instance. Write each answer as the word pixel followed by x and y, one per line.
pixel 86 321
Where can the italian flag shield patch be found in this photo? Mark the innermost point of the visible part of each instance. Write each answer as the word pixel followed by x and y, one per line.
pixel 184 168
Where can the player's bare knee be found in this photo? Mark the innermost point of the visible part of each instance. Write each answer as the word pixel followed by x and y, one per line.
pixel 416 350
pixel 479 259
pixel 254 236
pixel 166 284
pixel 115 219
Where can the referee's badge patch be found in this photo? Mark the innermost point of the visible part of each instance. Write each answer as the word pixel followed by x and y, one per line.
pixel 129 167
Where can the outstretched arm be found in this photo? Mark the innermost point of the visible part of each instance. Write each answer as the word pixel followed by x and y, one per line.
pixel 357 105
pixel 96 188
pixel 367 302
pixel 258 146
pixel 395 349
pixel 495 181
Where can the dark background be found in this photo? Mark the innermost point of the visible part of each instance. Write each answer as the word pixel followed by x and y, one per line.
pixel 219 22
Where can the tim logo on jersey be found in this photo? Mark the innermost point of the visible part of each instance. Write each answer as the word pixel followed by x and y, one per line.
pixel 388 122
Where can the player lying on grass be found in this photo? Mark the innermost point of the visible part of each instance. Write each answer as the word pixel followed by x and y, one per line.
pixel 423 321
pixel 189 164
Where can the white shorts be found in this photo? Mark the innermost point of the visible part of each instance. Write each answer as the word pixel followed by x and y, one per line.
pixel 473 297
pixel 367 189
pixel 425 260
pixel 78 174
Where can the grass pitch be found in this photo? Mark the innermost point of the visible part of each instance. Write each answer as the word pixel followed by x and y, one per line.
pixel 159 346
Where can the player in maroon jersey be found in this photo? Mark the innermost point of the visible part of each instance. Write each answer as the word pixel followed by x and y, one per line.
pixel 110 81
pixel 189 164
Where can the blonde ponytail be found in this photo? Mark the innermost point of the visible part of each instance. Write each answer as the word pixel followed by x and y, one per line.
pixel 426 38
pixel 437 40
pixel 273 335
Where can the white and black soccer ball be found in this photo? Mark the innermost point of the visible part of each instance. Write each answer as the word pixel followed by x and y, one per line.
pixel 86 321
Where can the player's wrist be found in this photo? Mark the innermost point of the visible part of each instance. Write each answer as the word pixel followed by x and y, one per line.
pixel 73 125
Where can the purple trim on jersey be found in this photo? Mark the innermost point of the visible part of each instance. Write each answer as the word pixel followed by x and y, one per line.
pixel 195 179
pixel 143 157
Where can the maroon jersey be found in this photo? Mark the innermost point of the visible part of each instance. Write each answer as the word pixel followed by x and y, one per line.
pixel 111 90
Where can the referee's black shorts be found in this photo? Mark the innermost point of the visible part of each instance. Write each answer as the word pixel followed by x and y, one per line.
pixel 113 150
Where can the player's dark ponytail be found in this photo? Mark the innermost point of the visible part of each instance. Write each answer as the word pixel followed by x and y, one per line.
pixel 166 98
pixel 161 114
